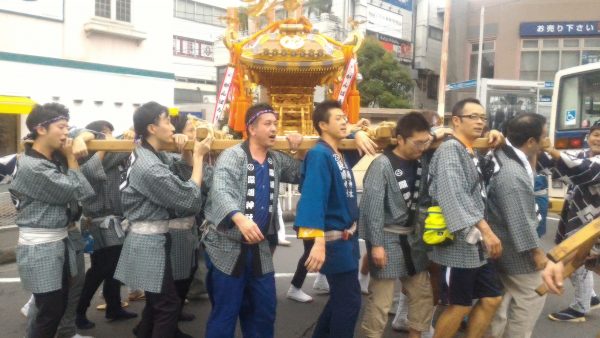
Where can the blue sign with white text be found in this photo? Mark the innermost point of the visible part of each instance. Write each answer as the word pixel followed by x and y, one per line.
pixel 406 4
pixel 461 85
pixel 573 28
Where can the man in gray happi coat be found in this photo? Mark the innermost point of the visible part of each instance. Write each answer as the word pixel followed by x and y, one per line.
pixel 46 189
pixel 512 215
pixel 458 186
pixel 389 223
pixel 103 218
pixel 151 195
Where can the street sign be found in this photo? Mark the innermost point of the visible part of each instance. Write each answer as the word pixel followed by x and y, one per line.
pixel 571 117
pixel 461 85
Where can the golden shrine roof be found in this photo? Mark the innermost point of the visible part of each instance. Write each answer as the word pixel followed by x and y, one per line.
pixel 295 50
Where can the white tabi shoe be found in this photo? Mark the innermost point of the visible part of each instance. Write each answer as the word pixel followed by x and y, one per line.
pixel 363 280
pixel 298 295
pixel 321 286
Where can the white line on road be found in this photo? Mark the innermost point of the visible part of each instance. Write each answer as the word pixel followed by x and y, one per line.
pixel 291 274
pixel 12 226
pixel 294 236
pixel 553 218
pixel 277 275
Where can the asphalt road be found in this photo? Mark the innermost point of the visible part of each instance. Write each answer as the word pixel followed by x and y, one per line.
pixel 293 319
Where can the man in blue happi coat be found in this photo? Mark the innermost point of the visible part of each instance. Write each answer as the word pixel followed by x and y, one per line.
pixel 328 211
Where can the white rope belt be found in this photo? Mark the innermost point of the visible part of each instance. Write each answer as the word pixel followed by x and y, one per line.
pixel 104 223
pixel 183 223
pixel 398 229
pixel 333 235
pixel 34 236
pixel 150 227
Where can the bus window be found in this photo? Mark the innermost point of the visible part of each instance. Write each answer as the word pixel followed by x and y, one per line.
pixel 579 102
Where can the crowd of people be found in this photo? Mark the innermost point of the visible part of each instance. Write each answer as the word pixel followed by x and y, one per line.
pixel 453 225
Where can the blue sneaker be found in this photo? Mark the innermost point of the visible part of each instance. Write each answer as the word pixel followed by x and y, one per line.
pixel 568 315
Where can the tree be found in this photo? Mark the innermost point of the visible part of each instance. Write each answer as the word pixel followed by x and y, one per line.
pixel 386 83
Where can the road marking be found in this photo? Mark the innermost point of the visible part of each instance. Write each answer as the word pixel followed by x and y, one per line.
pixel 553 218
pixel 291 274
pixel 277 275
pixel 294 236
pixel 12 226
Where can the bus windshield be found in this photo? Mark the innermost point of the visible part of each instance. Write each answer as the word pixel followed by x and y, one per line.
pixel 579 101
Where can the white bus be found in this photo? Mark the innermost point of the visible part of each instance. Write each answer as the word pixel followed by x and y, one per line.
pixel 575 107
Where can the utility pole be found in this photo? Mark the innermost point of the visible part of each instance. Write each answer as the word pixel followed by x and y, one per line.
pixel 444 62
pixel 479 56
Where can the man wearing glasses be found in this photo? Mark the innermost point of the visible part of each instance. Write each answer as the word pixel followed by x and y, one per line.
pixel 457 186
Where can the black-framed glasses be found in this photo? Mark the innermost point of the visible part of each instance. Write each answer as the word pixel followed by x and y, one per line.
pixel 420 144
pixel 475 117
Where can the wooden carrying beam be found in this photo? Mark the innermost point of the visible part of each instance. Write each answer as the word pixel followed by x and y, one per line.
pixel 382 136
pixel 588 233
pixel 573 251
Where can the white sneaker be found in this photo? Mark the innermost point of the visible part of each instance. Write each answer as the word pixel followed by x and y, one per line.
pixel 428 334
pixel 77 335
pixel 400 325
pixel 25 308
pixel 298 295
pixel 364 283
pixel 284 242
pixel 321 286
pixel 399 322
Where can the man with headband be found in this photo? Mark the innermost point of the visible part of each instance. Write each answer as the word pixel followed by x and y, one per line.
pixel 240 217
pixel 240 214
pixel 46 189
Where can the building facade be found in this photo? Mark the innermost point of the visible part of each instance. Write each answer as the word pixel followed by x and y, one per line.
pixel 198 51
pixel 527 40
pixel 100 58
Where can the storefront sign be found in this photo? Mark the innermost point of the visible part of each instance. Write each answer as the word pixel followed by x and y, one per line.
pixel 573 28
pixel 400 48
pixel 383 20
pixel 406 4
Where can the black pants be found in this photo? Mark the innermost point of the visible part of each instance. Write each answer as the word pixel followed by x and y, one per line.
pixel 160 315
pixel 183 287
pixel 104 264
pixel 300 274
pixel 51 307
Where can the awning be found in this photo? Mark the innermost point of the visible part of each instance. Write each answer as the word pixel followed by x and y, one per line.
pixel 16 105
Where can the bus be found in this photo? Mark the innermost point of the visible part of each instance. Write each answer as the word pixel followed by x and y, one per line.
pixel 575 107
